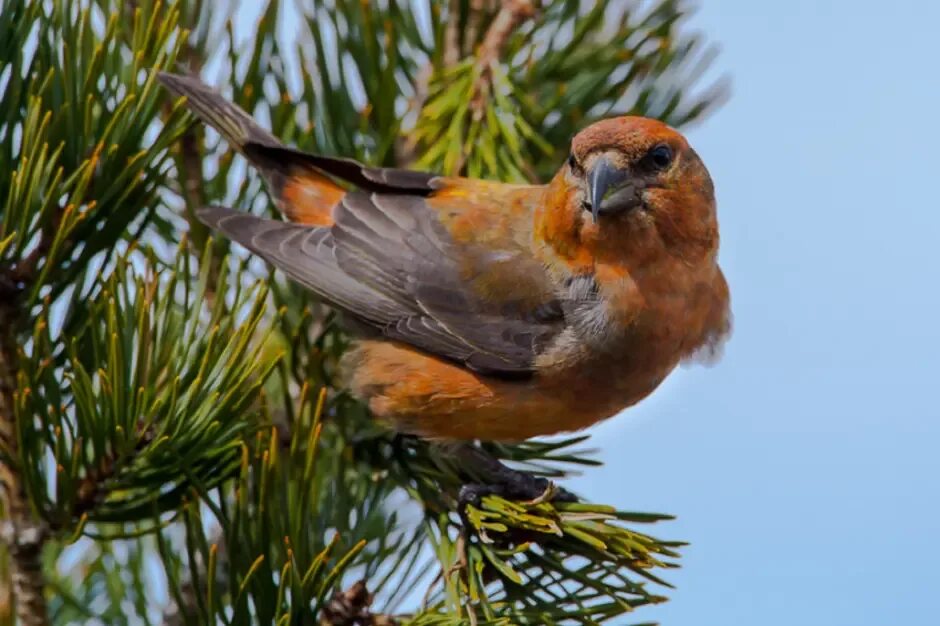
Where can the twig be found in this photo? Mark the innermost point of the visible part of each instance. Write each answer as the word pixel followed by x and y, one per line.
pixel 451 42
pixel 512 13
pixel 193 183
pixel 20 531
pixel 190 146
pixel 478 9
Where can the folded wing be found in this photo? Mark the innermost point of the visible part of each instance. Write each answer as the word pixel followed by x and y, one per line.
pixel 389 262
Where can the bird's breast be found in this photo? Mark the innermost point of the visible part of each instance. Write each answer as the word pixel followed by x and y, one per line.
pixel 633 328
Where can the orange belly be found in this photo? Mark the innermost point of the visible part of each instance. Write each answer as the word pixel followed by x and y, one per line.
pixel 419 394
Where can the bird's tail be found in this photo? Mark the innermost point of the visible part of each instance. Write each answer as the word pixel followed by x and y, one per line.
pixel 299 189
pixel 212 108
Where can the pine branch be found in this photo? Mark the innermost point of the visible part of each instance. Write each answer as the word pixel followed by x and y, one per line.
pixel 152 397
pixel 515 560
pixel 510 16
pixel 71 141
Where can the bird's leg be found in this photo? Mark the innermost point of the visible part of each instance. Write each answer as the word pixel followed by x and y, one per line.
pixel 504 481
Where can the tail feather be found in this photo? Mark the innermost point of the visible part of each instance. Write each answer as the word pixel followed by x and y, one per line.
pixel 299 190
pixel 299 183
pixel 211 107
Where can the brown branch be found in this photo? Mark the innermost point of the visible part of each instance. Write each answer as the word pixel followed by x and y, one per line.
pixel 195 197
pixel 193 192
pixel 190 146
pixel 23 535
pixel 511 14
pixel 451 36
pixel 478 10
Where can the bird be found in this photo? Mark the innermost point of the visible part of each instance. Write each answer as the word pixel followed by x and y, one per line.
pixel 489 311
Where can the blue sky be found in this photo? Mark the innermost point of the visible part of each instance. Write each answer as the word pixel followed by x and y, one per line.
pixel 804 466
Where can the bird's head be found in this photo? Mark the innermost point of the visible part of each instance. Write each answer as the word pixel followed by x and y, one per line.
pixel 635 173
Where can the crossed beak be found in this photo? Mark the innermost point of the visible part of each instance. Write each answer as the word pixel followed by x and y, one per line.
pixel 612 190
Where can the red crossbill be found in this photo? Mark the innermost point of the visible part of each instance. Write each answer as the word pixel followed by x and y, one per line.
pixel 496 311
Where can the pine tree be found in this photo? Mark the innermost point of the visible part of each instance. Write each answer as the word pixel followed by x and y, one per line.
pixel 172 447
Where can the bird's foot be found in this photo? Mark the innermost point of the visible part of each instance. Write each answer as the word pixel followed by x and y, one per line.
pixel 526 488
pixel 512 484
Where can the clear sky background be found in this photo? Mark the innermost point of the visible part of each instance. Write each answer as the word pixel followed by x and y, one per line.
pixel 804 466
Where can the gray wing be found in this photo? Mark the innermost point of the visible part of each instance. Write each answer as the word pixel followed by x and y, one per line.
pixel 388 262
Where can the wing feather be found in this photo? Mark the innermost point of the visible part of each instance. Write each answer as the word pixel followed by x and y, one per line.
pixel 391 263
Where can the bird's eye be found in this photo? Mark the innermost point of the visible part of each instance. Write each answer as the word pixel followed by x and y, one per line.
pixel 659 157
pixel 572 162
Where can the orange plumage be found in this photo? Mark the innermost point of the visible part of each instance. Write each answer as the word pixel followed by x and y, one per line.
pixel 498 311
